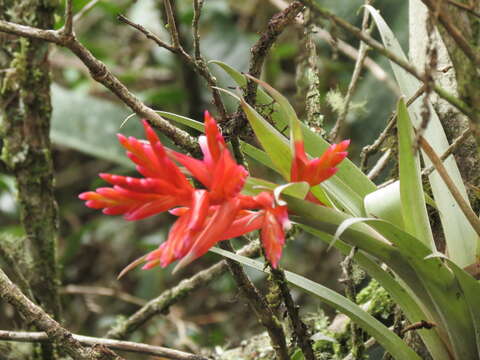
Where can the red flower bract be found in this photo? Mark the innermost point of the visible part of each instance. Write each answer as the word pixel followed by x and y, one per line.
pixel 206 216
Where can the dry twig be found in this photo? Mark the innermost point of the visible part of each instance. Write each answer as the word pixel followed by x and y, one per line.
pixel 127 346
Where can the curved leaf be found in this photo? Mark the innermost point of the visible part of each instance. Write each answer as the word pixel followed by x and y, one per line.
pixel 460 236
pixel 389 340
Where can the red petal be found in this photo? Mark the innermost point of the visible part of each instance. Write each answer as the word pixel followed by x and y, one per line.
pixel 273 238
pixel 215 141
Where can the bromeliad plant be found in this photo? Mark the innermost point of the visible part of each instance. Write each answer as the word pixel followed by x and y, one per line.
pixel 339 205
pixel 217 212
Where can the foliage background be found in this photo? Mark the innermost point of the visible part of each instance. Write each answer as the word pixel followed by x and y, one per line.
pixel 86 117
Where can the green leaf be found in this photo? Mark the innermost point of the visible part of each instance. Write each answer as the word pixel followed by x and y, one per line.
pixel 401 294
pixel 414 209
pixel 385 203
pixel 389 340
pixel 430 280
pixel 315 145
pixel 471 291
pixel 441 285
pixel 197 125
pixel 273 142
pixel 89 125
pixel 460 236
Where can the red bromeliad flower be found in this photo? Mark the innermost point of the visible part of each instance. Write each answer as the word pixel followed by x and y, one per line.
pixel 206 216
pixel 319 169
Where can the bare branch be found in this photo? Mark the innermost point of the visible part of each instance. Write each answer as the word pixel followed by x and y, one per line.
pixel 468 8
pixel 197 64
pixel 162 303
pixel 453 31
pixel 380 165
pixel 197 10
pixel 35 315
pixel 300 329
pixel 102 74
pixel 103 291
pixel 128 346
pixel 85 10
pixel 68 27
pixel 347 50
pixel 362 55
pixel 147 33
pixel 172 27
pixel 369 149
pixel 473 115
pixel 450 150
pixel 258 304
pixel 438 164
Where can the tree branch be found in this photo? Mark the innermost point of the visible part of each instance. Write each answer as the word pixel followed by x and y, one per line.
pixel 258 304
pixel 438 164
pixel 463 107
pixel 362 55
pixel 162 303
pixel 68 27
pixel 34 315
pixel 299 328
pixel 102 74
pixel 128 346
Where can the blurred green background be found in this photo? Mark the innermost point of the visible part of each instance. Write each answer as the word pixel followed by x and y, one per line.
pixel 86 117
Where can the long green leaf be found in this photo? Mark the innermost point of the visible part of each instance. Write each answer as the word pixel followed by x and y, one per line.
pixel 430 280
pixel 315 145
pixel 460 236
pixel 414 209
pixel 385 204
pixel 401 295
pixel 441 284
pixel 389 340
pixel 471 291
pixel 197 125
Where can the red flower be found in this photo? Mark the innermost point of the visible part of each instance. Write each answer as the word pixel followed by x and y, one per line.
pixel 319 169
pixel 206 216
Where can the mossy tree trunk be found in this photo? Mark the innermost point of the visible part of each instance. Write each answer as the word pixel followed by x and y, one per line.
pixel 26 150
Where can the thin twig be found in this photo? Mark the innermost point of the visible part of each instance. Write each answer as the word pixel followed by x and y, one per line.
pixel 380 165
pixel 197 10
pixel 362 54
pixel 400 61
pixel 299 328
pixel 103 75
pixel 258 304
pixel 259 51
pixel 102 291
pixel 148 34
pixel 68 27
pixel 35 315
pixel 89 6
pixel 450 150
pixel 438 164
pixel 468 8
pixel 369 149
pixel 172 26
pixel 198 65
pixel 453 31
pixel 162 303
pixel 129 346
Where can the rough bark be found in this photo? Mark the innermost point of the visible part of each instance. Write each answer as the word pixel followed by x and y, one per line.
pixel 25 111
